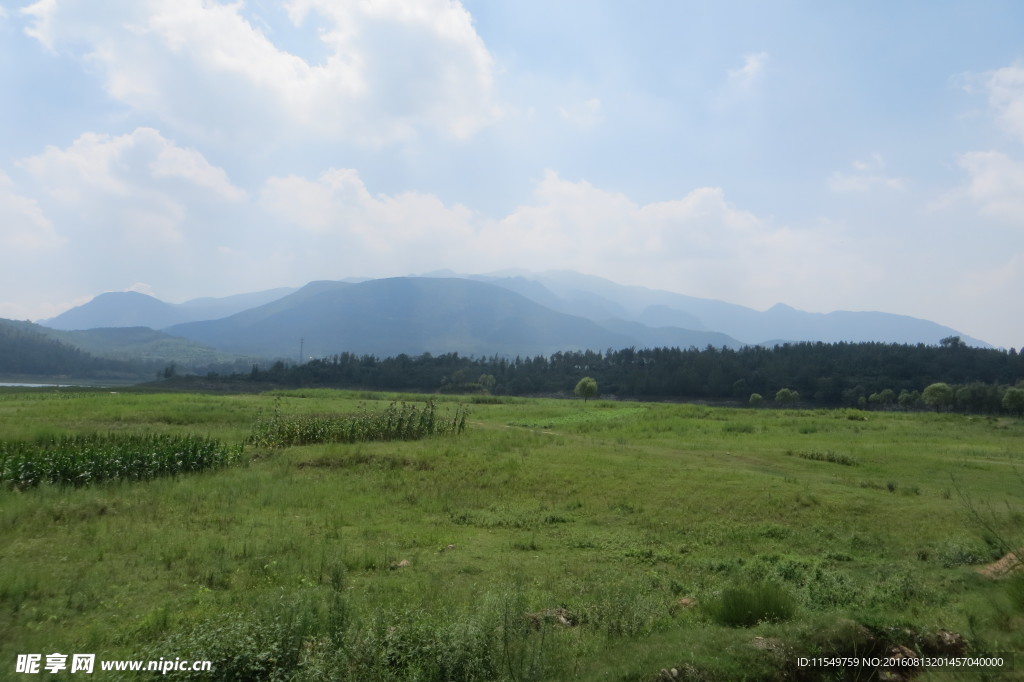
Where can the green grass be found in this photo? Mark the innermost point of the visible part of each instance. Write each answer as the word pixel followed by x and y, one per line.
pixel 552 540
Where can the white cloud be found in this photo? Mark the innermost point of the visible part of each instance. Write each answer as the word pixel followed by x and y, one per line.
pixel 995 181
pixel 753 65
pixel 189 165
pixel 862 182
pixel 1006 96
pixel 988 283
pixel 343 225
pixel 42 30
pixel 115 209
pixel 395 66
pixel 142 288
pixel 996 185
pixel 26 307
pixel 699 243
pixel 23 225
pixel 126 209
pixel 584 115
pixel 865 178
pixel 139 187
pixel 977 291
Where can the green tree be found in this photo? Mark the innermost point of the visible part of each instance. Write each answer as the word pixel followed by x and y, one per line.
pixel 938 395
pixel 756 399
pixel 1013 401
pixel 909 399
pixel 586 388
pixel 884 398
pixel 786 396
pixel 977 397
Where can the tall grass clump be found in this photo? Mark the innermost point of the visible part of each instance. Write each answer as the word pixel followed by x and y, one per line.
pixel 315 637
pixel 397 422
pixel 743 606
pixel 92 458
pixel 269 643
pixel 829 456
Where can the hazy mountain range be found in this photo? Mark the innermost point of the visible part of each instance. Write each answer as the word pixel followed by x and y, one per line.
pixel 132 309
pixel 507 314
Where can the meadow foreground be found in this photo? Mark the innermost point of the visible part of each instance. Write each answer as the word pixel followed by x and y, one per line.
pixel 550 540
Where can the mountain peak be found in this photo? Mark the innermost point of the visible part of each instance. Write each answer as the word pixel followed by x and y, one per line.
pixel 118 309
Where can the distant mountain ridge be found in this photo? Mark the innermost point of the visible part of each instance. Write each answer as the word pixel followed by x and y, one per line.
pixel 503 314
pixel 410 315
pixel 780 323
pixel 134 309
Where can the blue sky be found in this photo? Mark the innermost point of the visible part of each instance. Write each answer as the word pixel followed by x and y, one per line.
pixel 854 156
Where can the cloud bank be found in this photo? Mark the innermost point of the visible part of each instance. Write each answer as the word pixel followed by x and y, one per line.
pixel 393 68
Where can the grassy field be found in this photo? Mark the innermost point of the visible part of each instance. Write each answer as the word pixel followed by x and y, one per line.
pixel 552 540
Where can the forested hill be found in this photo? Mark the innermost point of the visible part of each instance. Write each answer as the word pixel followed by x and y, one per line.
pixel 856 374
pixel 25 352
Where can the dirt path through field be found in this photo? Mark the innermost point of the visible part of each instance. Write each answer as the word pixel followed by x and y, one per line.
pixel 1005 566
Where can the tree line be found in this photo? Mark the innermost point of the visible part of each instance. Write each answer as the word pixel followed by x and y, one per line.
pixel 867 375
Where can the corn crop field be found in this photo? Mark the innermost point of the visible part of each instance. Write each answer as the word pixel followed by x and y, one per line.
pixel 85 459
pixel 397 422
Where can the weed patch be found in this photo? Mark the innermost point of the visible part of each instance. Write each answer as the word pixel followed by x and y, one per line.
pixel 965 553
pixel 383 462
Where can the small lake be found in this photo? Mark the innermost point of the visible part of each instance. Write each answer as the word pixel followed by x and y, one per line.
pixel 2 383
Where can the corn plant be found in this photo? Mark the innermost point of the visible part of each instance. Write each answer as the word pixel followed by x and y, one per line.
pixel 397 422
pixel 85 459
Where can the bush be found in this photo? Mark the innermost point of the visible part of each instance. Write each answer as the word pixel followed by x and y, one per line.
pixel 747 605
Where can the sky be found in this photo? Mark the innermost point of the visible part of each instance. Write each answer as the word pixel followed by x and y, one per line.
pixel 827 155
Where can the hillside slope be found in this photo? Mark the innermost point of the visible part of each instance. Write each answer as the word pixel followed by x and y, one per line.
pixel 26 350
